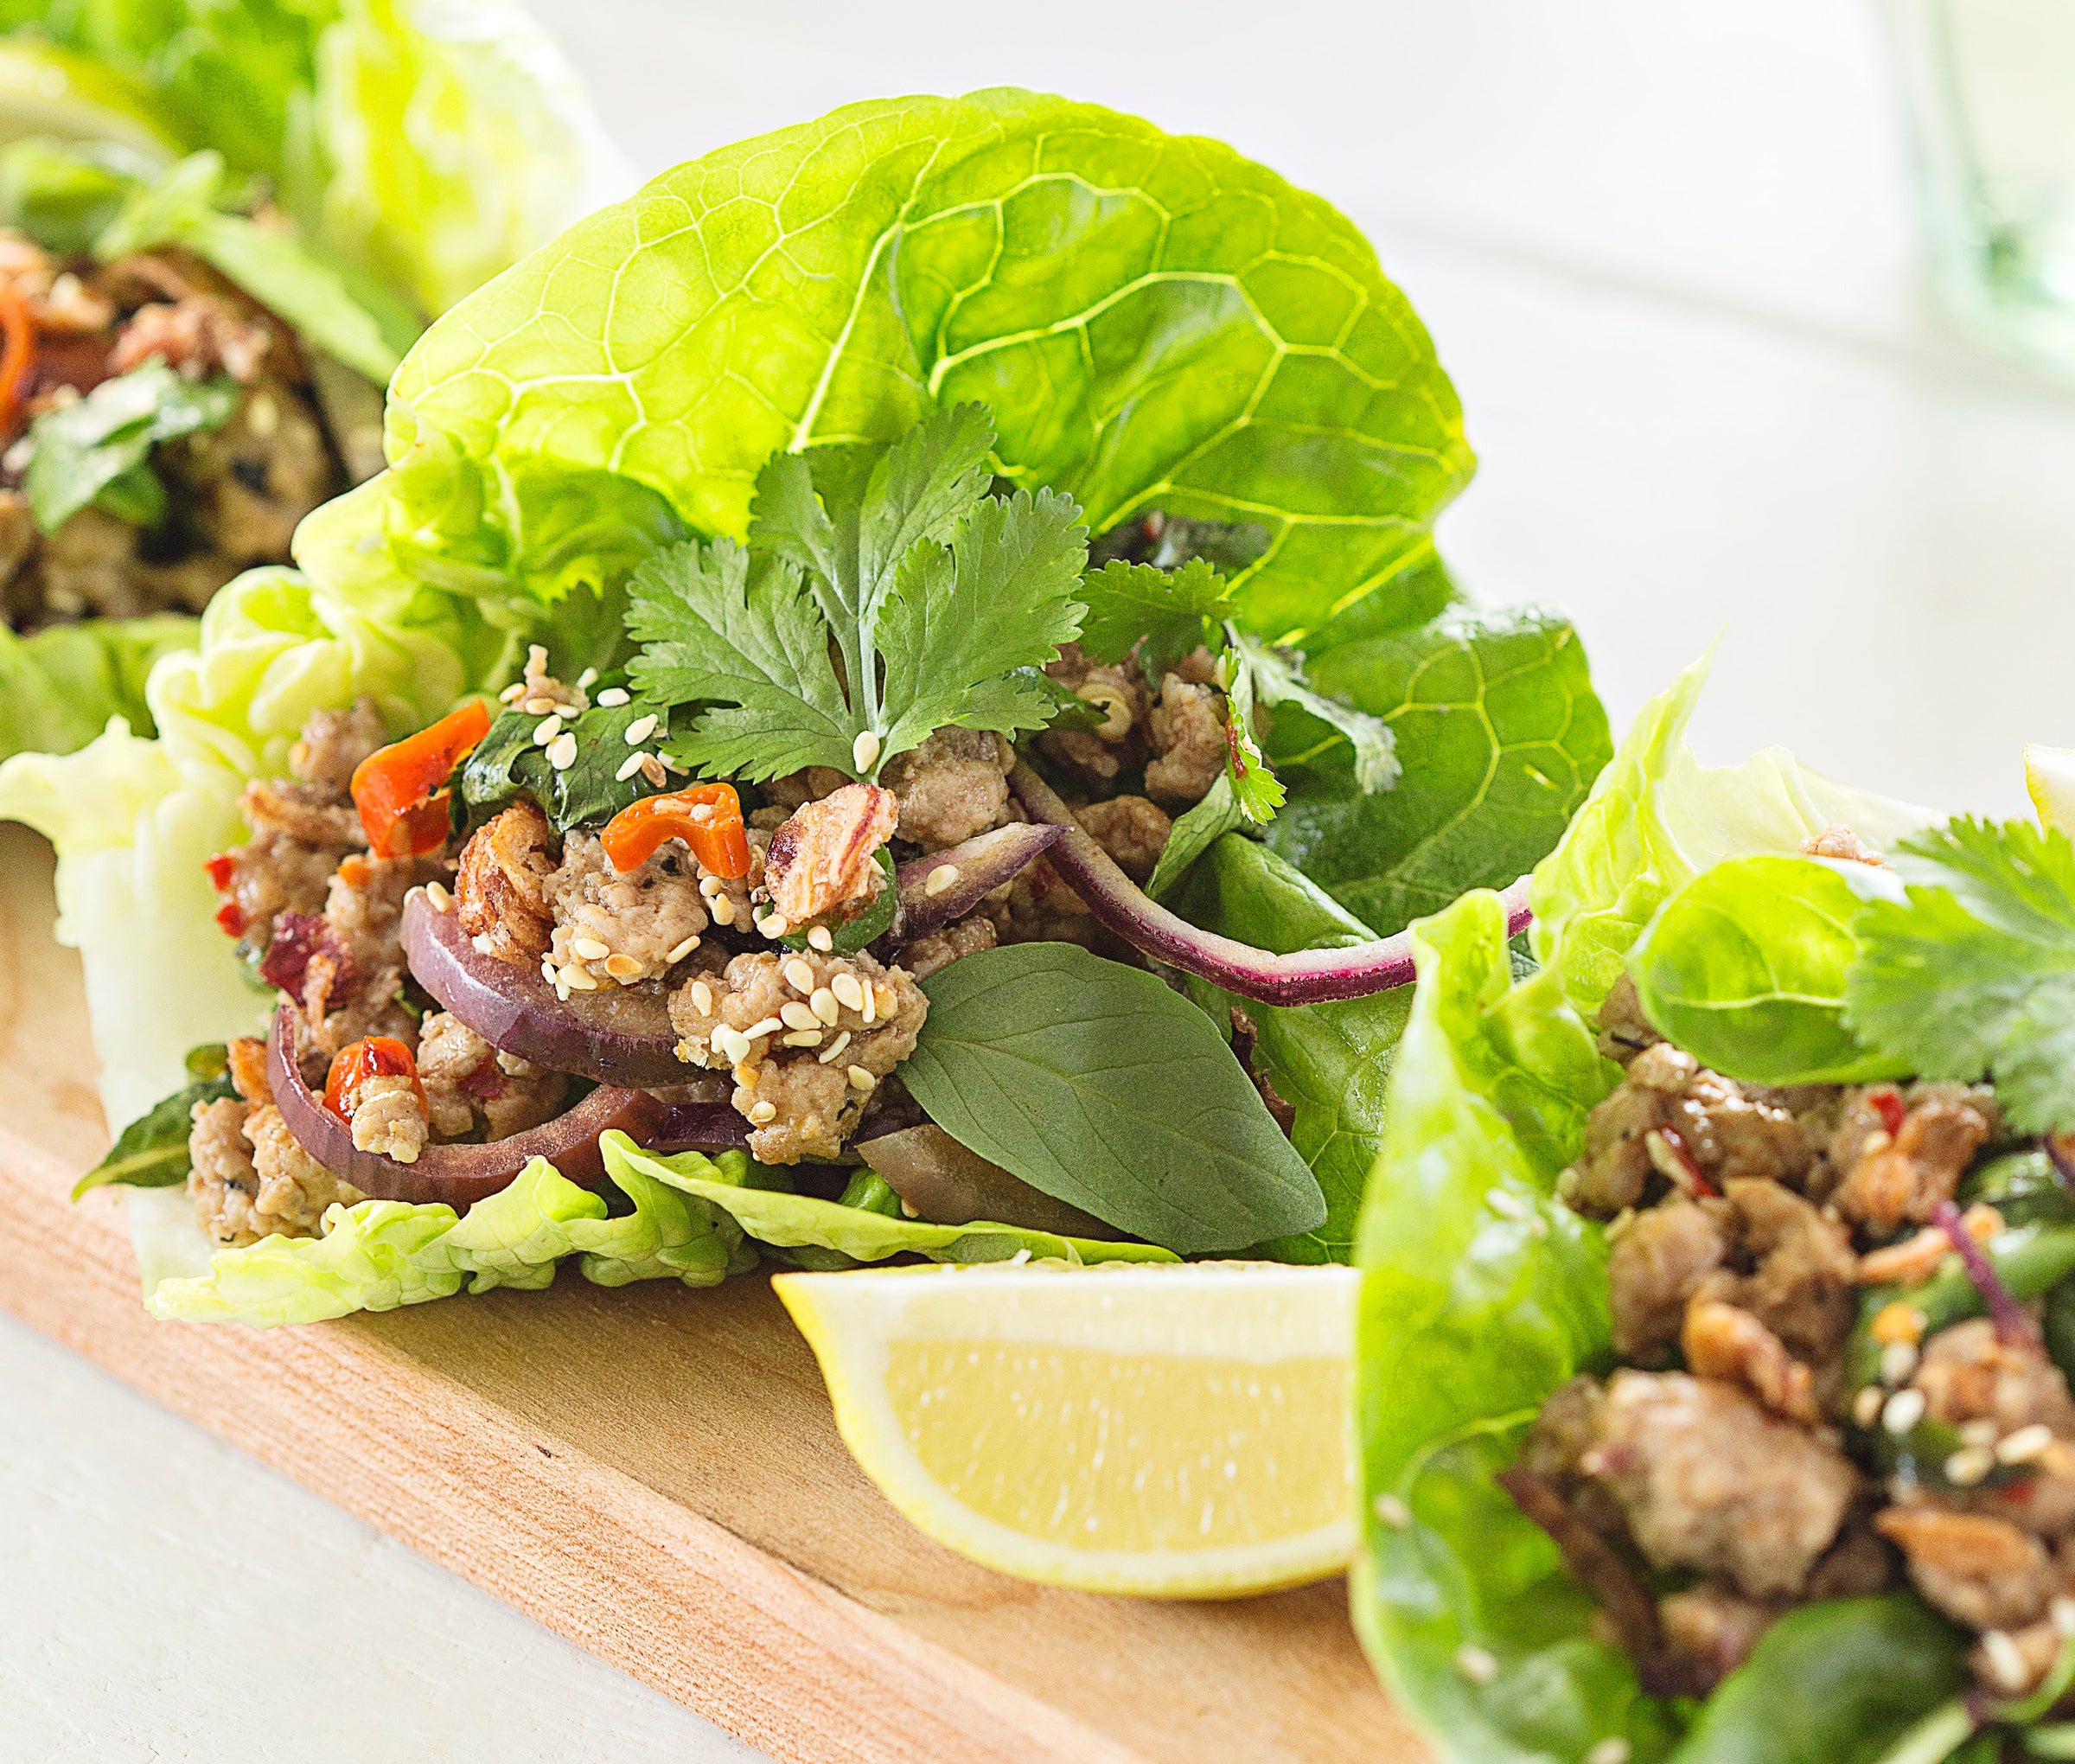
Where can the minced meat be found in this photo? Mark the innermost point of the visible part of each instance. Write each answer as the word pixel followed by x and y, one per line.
pixel 614 928
pixel 953 786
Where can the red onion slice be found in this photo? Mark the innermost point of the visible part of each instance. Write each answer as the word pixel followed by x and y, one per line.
pixel 1303 977
pixel 2014 1326
pixel 618 1036
pixel 980 865
pixel 699 1127
pixel 459 1175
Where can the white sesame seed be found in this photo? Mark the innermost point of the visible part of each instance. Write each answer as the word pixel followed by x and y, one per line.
pixel 548 971
pixel 513 693
pixel 437 895
pixel 590 948
pixel 1903 1411
pixel 761 1028
pixel 587 679
pixel 868 1005
pixel 2062 1612
pixel 802 1038
pixel 860 1079
pixel 16 459
pixel 640 730
pixel 623 967
pixel 940 879
pixel 1393 1511
pixel 670 764
pixel 798 1015
pixel 884 1002
pixel 845 987
pixel 732 1043
pixel 724 910
pixel 536 658
pixel 702 998
pixel 682 950
pixel 581 981
pixel 908 1211
pixel 1866 1406
pixel 1969 1465
pixel 799 975
pixel 540 706
pixel 2026 1444
pixel 835 1047
pixel 2006 1661
pixel 821 938
pixel 652 768
pixel 613 697
pixel 1612 1750
pixel 1982 1433
pixel 711 886
pixel 775 925
pixel 761 1112
pixel 702 812
pixel 1898 1361
pixel 1479 1664
pixel 1617 1225
pixel 864 751
pixel 547 729
pixel 628 766
pixel 825 1005
pixel 562 985
pixel 562 753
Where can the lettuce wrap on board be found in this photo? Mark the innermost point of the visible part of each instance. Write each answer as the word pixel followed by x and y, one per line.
pixel 1794 1199
pixel 220 227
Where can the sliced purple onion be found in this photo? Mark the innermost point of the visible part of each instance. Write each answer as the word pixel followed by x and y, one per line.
pixel 617 1035
pixel 2014 1326
pixel 463 1174
pixel 980 865
pixel 712 1128
pixel 1303 977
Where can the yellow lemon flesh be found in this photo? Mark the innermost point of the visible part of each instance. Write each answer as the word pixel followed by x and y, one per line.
pixel 1179 1432
pixel 2050 779
pixel 46 92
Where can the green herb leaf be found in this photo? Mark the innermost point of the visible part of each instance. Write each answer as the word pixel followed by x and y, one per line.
pixel 85 451
pixel 1499 734
pixel 63 194
pixel 1099 1085
pixel 507 762
pixel 1973 974
pixel 1308 724
pixel 950 630
pixel 1171 611
pixel 1256 789
pixel 1196 831
pixel 1744 968
pixel 152 1151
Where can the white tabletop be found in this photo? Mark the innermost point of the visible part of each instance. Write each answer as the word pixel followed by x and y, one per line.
pixel 1668 253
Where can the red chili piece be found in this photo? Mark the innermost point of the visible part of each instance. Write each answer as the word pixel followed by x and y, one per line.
pixel 378 1057
pixel 1886 1103
pixel 707 817
pixel 399 790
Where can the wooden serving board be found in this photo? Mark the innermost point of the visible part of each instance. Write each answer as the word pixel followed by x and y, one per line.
pixel 654 1472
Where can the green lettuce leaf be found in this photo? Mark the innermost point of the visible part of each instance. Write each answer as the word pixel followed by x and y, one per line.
pixel 1497 733
pixel 858 1233
pixel 1656 818
pixel 381 1253
pixel 1150 320
pixel 1745 968
pixel 59 687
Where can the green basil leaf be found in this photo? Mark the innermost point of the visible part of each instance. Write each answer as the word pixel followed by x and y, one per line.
pixel 507 762
pixel 1744 968
pixel 152 1151
pixel 1105 1089
pixel 77 453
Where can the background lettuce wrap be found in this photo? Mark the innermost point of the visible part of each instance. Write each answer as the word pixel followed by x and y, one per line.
pixel 417 149
pixel 1482 1293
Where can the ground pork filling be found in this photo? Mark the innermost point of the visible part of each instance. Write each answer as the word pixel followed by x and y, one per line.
pixel 1733 1451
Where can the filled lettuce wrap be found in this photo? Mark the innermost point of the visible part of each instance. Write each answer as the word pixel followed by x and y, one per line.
pixel 1712 1403
pixel 221 228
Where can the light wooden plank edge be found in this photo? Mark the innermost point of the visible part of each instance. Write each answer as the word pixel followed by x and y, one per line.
pixel 783 1661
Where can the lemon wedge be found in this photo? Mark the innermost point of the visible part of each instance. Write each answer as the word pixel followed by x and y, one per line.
pixel 1177 1432
pixel 2049 781
pixel 47 91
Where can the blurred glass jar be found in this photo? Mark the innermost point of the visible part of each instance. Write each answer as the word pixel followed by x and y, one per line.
pixel 1991 91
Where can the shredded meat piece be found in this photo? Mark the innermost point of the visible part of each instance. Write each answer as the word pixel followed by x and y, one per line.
pixel 1840 843
pixel 246 1056
pixel 1889 1181
pixel 1041 909
pixel 1980 1571
pixel 333 743
pixel 1712 1630
pixel 1803 1285
pixel 820 862
pixel 389 1118
pixel 469 1083
pixel 955 786
pixel 1722 1341
pixel 222 1181
pixel 792 1029
pixel 1100 756
pixel 196 336
pixel 929 955
pixel 1655 1267
pixel 1711 1480
pixel 1132 830
pixel 341 1003
pixel 500 887
pixel 1969 1373
pixel 617 929
pixel 1188 732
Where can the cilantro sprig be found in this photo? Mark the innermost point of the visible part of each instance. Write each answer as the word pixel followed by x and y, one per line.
pixel 883 594
pixel 1971 973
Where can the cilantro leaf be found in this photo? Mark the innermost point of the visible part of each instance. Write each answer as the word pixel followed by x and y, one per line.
pixel 96 448
pixel 1256 791
pixel 1173 611
pixel 1973 972
pixel 1279 681
pixel 1195 833
pixel 753 641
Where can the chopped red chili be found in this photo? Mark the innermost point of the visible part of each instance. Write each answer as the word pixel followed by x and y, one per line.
pixel 17 348
pixel 707 817
pixel 378 1057
pixel 1886 1103
pixel 400 790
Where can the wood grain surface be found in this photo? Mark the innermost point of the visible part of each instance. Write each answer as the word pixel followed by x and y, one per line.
pixel 654 1472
